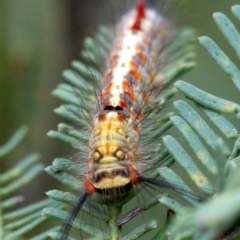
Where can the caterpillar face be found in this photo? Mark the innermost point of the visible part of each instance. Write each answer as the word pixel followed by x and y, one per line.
pixel 113 145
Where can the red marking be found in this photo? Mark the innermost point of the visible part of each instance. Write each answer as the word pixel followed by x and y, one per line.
pixel 134 175
pixel 108 75
pixel 137 25
pixel 141 9
pixel 141 13
pixel 142 57
pixel 120 118
pixel 131 95
pixel 136 129
pixel 89 188
pixel 128 90
pixel 106 91
pixel 102 118
pixel 123 104
pixel 139 117
pixel 133 65
pixel 108 103
pixel 108 87
pixel 136 74
pixel 127 86
pixel 113 60
pixel 147 41
pixel 139 48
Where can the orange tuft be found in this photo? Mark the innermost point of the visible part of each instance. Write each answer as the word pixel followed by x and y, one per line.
pixel 134 175
pixel 89 188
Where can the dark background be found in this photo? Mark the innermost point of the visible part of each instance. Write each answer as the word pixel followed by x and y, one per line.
pixel 39 38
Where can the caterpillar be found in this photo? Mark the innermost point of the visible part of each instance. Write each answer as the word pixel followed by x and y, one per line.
pixel 130 98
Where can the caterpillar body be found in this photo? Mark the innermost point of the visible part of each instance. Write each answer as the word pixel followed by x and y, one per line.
pixel 130 97
pixel 126 89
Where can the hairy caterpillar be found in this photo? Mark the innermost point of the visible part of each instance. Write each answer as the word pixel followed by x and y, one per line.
pixel 130 96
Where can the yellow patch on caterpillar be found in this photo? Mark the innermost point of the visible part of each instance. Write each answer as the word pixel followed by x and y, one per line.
pixel 120 154
pixel 106 160
pixel 112 182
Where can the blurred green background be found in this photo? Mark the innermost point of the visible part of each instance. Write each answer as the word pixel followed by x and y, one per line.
pixel 39 38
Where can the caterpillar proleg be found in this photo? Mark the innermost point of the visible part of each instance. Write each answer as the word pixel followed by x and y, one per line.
pixel 119 153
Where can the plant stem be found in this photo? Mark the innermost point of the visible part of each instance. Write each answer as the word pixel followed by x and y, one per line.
pixel 115 231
